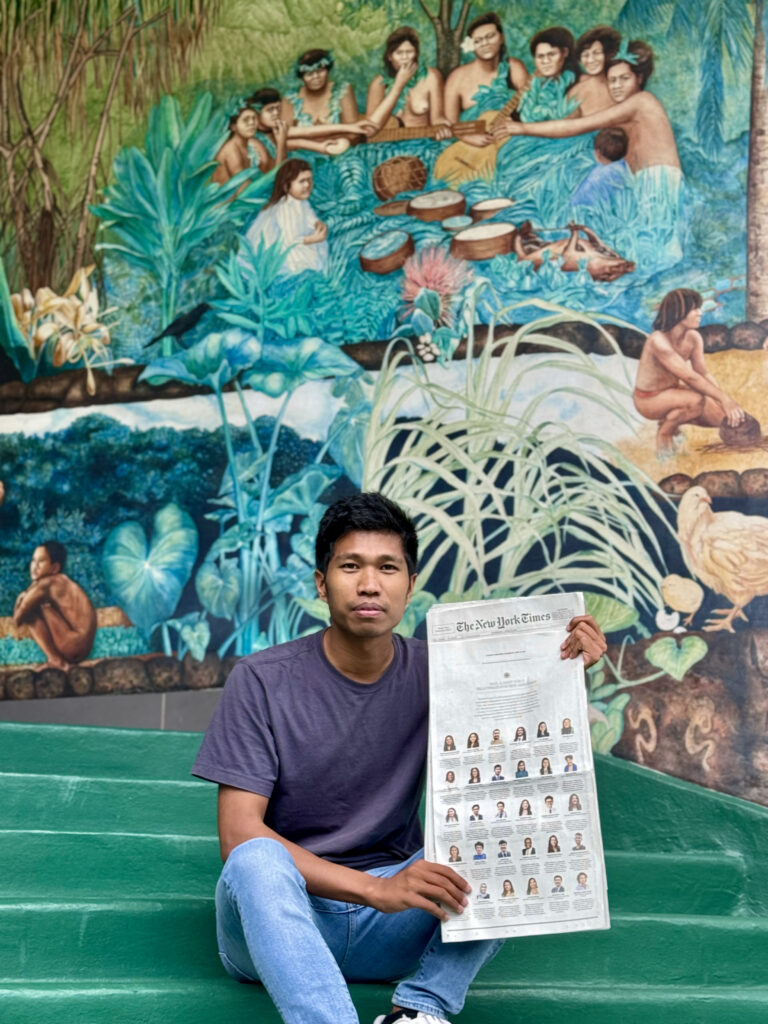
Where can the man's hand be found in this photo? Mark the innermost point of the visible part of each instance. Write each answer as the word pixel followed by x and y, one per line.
pixel 585 637
pixel 423 885
pixel 733 411
pixel 503 128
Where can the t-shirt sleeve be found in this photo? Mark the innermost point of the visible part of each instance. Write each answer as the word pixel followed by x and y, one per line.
pixel 238 748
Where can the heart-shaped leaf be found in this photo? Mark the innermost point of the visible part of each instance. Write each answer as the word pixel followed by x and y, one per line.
pixel 612 616
pixel 673 659
pixel 147 579
pixel 219 588
pixel 196 638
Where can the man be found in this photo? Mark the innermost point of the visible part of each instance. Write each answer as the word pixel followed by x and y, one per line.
pixel 310 840
pixel 581 882
pixel 529 850
pixel 558 887
pixel 501 811
pixel 479 853
pixel 569 764
pixel 497 776
pixel 503 851
pixel 496 738
pixel 579 846
pixel 483 894
pixel 55 609
pixel 549 804
pixel 475 815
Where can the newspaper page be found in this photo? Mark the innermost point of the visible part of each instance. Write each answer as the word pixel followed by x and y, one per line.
pixel 511 799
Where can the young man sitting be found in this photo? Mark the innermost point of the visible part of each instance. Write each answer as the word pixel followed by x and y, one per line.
pixel 318 746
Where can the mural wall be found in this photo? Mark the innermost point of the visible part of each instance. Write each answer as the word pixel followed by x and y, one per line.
pixel 503 264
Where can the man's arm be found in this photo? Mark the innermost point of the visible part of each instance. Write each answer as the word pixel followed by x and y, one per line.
pixel 29 599
pixel 241 817
pixel 687 372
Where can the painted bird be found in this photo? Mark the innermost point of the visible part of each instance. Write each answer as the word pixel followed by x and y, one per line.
pixel 683 595
pixel 728 551
pixel 183 323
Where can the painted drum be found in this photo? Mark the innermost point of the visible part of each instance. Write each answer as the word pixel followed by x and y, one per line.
pixel 386 252
pixel 483 241
pixel 438 205
pixel 488 207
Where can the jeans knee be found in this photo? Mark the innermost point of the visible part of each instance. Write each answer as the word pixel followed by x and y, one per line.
pixel 258 866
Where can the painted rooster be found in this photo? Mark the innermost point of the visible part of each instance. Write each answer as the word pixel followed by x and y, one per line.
pixel 728 552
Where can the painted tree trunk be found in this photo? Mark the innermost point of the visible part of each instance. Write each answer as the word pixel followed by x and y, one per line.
pixel 757 181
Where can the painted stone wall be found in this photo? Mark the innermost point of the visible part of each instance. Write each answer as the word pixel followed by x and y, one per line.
pixel 503 265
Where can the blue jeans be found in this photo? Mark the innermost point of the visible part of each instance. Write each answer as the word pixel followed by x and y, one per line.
pixel 305 948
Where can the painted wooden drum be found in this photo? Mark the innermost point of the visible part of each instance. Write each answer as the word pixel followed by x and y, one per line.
pixel 483 241
pixel 438 205
pixel 386 252
pixel 488 207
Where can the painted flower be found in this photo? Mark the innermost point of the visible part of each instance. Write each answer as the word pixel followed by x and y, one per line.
pixel 434 270
pixel 467 45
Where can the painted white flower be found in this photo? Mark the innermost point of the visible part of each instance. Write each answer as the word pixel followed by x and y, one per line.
pixel 467 46
pixel 666 621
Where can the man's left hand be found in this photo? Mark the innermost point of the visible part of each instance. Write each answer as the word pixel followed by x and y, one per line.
pixel 584 637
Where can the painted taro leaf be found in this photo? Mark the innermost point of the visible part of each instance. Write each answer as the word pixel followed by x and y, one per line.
pixel 219 588
pixel 611 615
pixel 147 579
pixel 676 661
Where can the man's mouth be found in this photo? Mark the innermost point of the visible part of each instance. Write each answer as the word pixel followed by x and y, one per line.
pixel 368 610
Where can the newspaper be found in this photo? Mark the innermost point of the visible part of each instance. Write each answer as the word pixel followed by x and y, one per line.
pixel 511 798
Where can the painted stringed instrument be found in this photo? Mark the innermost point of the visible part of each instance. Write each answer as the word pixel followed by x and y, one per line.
pixel 397 133
pixel 461 162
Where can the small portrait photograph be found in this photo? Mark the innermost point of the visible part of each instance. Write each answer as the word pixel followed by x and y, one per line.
pixel 525 809
pixel 475 815
pixel 473 740
pixel 482 892
pixel 578 843
pixel 449 743
pixel 533 887
pixel 521 772
pixel 546 767
pixel 501 811
pixel 566 729
pixel 451 817
pixel 479 853
pixel 553 846
pixel 504 850
pixel 570 766
pixel 474 776
pixel 549 804
pixel 542 731
pixel 529 850
pixel 574 804
pixel 581 882
pixel 450 780
pixel 557 885
pixel 496 738
pixel 520 734
pixel 497 774
pixel 507 889
pixel 454 857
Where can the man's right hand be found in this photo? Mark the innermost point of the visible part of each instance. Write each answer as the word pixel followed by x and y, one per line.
pixel 423 885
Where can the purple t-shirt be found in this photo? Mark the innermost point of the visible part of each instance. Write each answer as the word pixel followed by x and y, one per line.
pixel 341 762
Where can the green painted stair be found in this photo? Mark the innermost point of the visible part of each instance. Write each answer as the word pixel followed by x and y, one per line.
pixel 109 857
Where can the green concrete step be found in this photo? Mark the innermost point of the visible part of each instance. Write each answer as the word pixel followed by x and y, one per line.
pixel 67 865
pixel 176 939
pixel 56 802
pixel 95 751
pixel 222 1001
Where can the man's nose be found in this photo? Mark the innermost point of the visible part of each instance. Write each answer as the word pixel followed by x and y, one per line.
pixel 368 579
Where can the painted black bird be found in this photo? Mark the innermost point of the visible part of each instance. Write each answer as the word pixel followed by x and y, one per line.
pixel 183 323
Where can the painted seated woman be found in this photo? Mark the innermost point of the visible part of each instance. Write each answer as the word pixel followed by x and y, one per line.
pixel 408 93
pixel 289 218
pixel 319 99
pixel 593 51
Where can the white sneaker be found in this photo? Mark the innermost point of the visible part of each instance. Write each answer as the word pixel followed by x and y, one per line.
pixel 420 1018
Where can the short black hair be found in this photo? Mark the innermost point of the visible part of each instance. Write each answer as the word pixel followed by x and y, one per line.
pixel 612 143
pixel 263 97
pixel 56 552
pixel 371 512
pixel 562 39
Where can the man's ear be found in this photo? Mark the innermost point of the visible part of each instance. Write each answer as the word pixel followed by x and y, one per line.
pixel 320 584
pixel 411 585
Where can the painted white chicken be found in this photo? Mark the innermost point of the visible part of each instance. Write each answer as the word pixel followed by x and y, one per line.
pixel 728 551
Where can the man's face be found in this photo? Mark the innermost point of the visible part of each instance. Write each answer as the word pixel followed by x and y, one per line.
pixel 503 846
pixel 527 842
pixel 622 82
pixel 496 734
pixel 550 802
pixel 558 879
pixel 41 564
pixel 577 837
pixel 269 115
pixel 549 60
pixel 475 808
pixel 500 806
pixel 497 769
pixel 692 318
pixel 366 585
pixel 478 847
pixel 487 40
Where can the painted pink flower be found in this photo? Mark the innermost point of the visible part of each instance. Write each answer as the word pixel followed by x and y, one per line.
pixel 433 268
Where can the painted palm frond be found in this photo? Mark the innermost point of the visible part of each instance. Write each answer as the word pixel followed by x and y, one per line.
pixel 506 495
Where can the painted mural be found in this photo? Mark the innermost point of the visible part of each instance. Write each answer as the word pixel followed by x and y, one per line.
pixel 501 263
